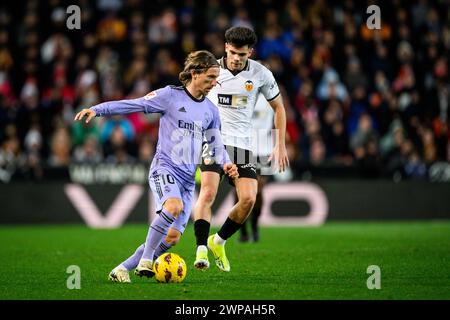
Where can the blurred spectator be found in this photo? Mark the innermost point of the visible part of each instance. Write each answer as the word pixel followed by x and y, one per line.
pixel 380 60
pixel 111 28
pixel 393 139
pixel 60 148
pixel 354 96
pixel 334 133
pixel 271 43
pixel 414 167
pixel 33 152
pixel 89 152
pixel 429 150
pixel 354 76
pixel 162 28
pixel 11 158
pixel 317 151
pixel 120 156
pixel 364 134
pixel 330 87
pixel 109 5
pixel 117 146
pixel 109 127
pixel 242 18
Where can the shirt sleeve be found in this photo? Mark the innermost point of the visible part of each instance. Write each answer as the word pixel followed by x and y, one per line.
pixel 214 140
pixel 154 102
pixel 270 88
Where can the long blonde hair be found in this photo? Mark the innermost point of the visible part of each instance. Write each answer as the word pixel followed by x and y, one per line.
pixel 199 62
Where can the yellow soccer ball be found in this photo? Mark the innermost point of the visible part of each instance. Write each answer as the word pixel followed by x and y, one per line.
pixel 169 267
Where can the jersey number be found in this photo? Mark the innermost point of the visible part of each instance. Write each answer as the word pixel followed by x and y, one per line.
pixel 169 178
pixel 205 150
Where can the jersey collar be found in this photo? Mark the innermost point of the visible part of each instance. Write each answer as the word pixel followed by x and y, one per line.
pixel 223 64
pixel 192 97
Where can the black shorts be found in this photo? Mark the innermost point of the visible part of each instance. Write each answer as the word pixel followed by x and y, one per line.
pixel 243 159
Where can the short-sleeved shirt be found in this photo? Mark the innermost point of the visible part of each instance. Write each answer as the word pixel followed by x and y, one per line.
pixel 235 95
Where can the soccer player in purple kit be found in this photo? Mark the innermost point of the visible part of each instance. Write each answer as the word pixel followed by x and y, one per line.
pixel 187 118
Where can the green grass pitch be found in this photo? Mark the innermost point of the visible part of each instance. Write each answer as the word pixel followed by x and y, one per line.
pixel 328 262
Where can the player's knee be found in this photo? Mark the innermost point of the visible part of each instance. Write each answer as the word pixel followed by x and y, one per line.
pixel 247 201
pixel 207 195
pixel 173 239
pixel 174 206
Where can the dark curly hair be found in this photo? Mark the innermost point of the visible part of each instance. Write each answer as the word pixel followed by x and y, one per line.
pixel 241 36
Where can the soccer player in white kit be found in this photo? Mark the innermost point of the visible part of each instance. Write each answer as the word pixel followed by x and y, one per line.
pixel 262 122
pixel 240 81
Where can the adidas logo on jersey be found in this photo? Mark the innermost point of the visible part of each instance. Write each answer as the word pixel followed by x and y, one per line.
pixel 182 109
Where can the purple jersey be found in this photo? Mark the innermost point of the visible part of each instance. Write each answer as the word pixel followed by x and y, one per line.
pixel 185 122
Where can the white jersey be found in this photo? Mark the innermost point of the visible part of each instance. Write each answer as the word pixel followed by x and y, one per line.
pixel 236 96
pixel 262 122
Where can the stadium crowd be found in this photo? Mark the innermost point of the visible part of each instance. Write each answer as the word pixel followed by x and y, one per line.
pixel 377 100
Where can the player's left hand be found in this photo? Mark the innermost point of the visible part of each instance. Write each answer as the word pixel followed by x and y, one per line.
pixel 231 170
pixel 279 154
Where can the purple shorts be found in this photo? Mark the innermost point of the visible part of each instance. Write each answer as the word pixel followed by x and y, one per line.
pixel 164 185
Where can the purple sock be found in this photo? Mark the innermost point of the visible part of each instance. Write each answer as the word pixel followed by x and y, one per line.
pixel 156 233
pixel 133 260
pixel 162 248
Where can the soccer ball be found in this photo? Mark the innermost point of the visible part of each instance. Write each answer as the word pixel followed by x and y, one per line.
pixel 169 267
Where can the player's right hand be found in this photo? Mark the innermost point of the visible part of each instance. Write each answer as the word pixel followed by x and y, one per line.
pixel 85 112
pixel 231 170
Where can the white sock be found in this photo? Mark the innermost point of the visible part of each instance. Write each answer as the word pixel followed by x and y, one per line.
pixel 202 248
pixel 218 239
